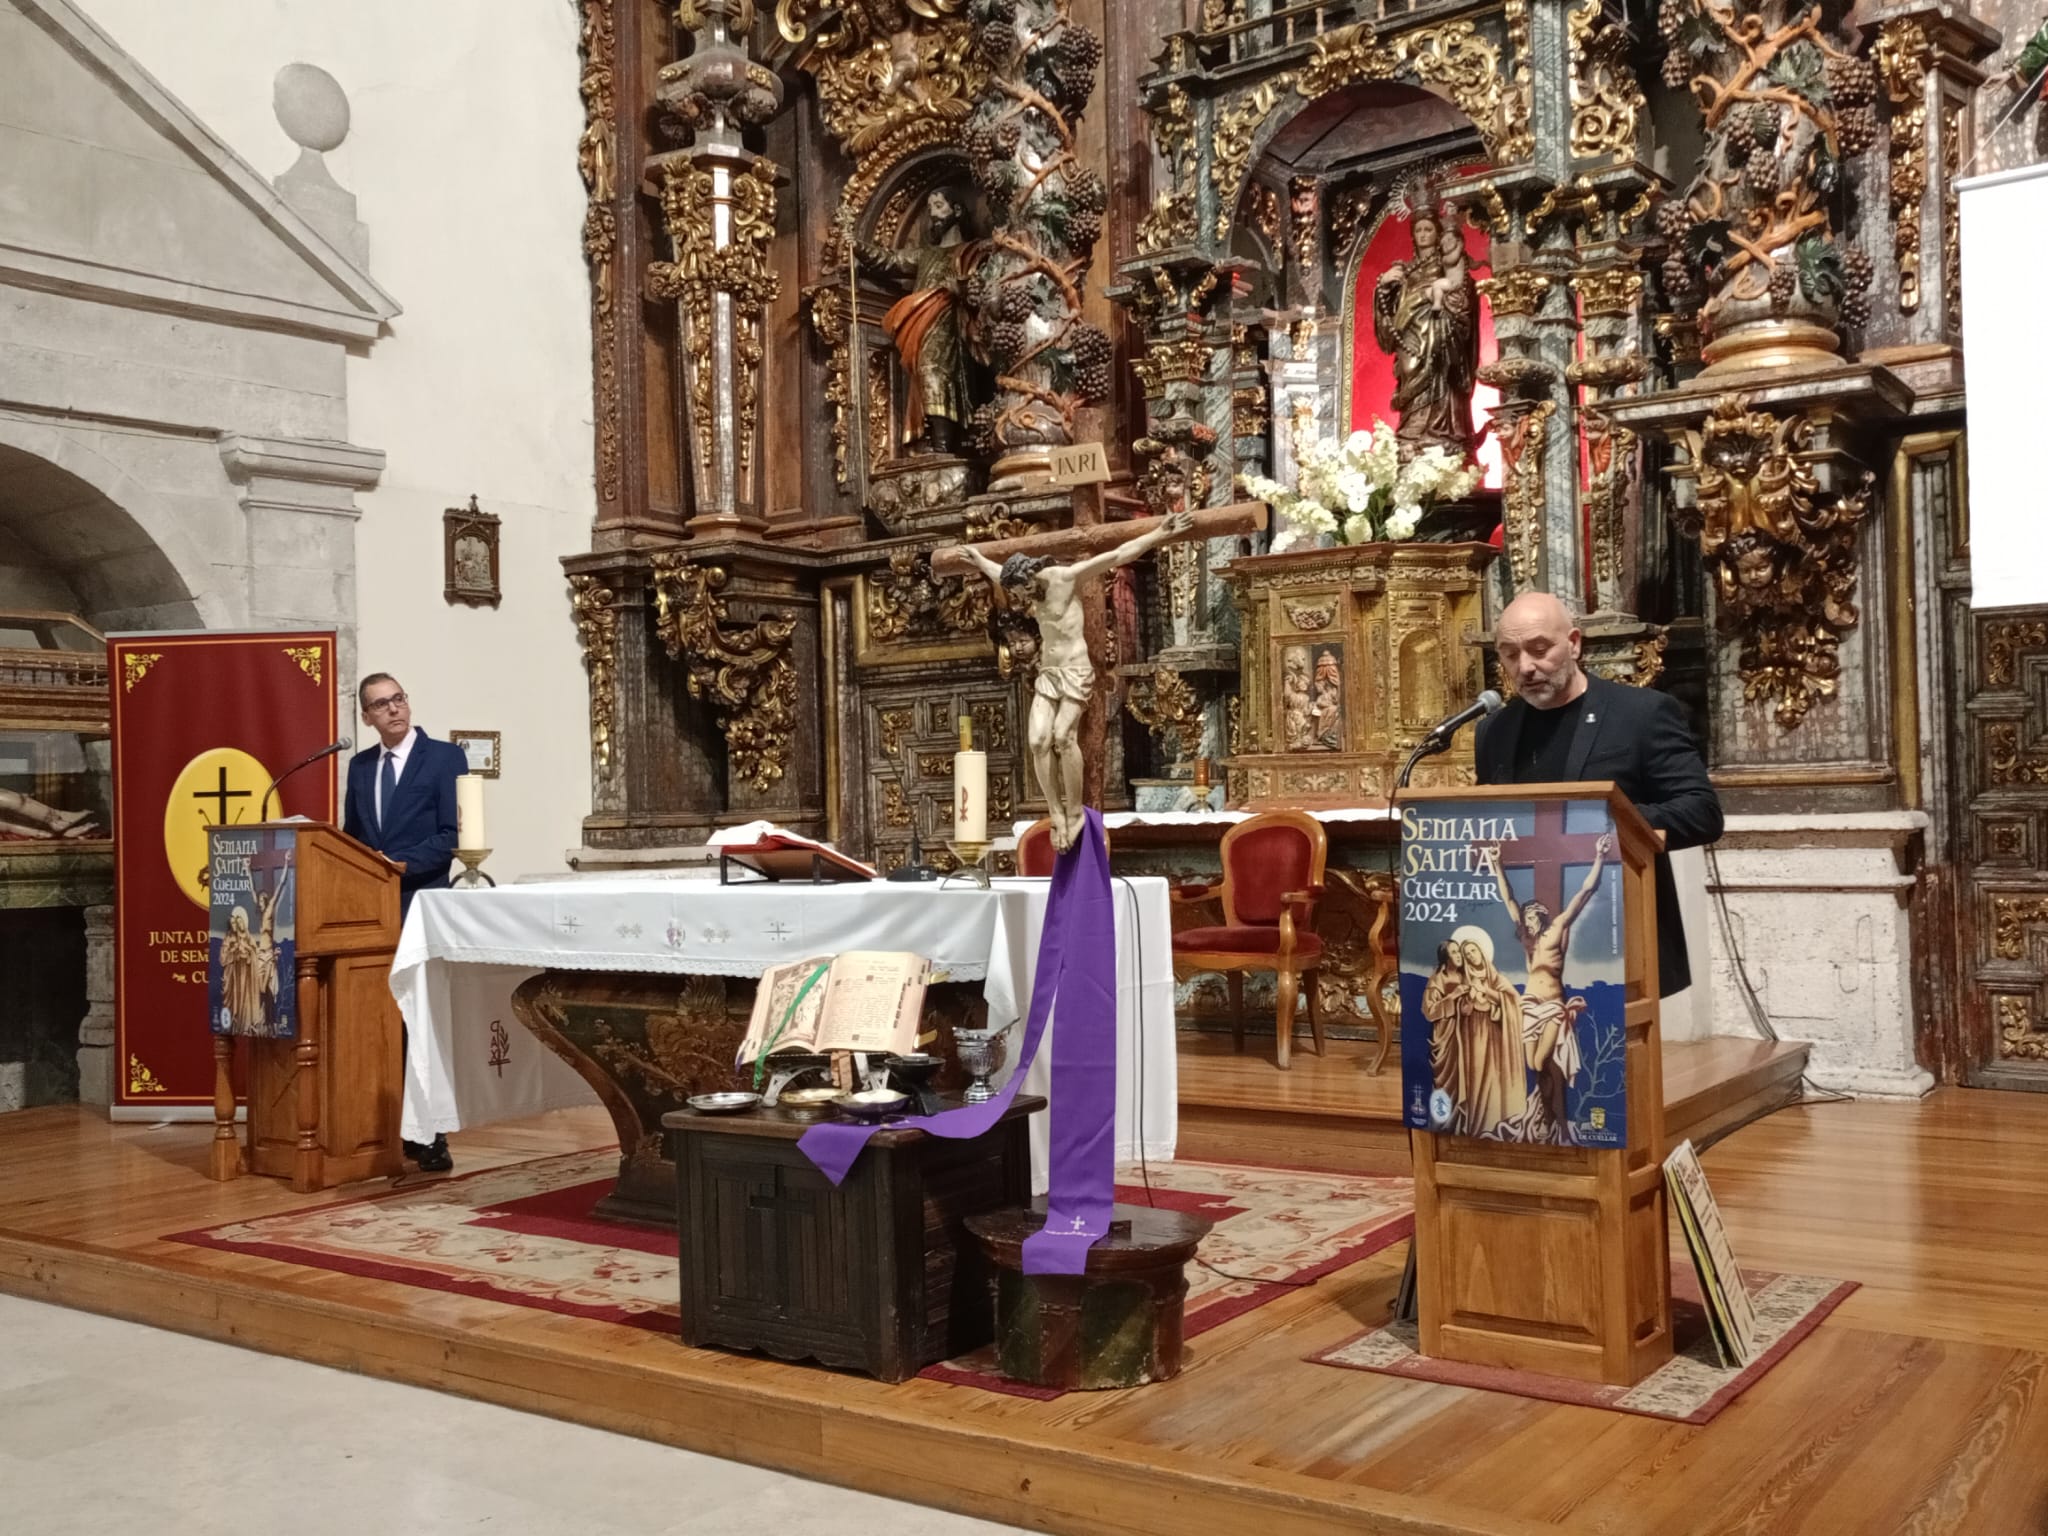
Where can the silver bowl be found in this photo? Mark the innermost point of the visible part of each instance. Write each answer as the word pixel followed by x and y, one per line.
pixel 723 1103
pixel 871 1109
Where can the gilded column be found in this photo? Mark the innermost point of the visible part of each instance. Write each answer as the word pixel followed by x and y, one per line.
pixel 718 205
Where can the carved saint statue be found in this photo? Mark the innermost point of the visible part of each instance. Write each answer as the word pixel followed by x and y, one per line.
pixel 927 324
pixel 25 816
pixel 1425 314
pixel 1066 672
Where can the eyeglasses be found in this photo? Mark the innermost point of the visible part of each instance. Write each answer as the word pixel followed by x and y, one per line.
pixel 378 706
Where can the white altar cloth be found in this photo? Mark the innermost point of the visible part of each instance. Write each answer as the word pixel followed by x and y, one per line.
pixel 1113 819
pixel 463 953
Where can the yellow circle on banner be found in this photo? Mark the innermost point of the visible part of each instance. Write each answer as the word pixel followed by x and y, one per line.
pixel 219 787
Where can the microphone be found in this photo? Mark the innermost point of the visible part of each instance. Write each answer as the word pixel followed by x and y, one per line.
pixel 1440 734
pixel 1486 704
pixel 345 744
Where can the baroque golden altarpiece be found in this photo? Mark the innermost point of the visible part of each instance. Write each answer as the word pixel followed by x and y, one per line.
pixel 857 268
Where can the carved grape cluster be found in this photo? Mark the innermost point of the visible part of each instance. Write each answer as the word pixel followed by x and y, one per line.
pixel 1852 82
pixel 1857 272
pixel 1015 303
pixel 1090 348
pixel 1784 283
pixel 1006 342
pixel 1855 128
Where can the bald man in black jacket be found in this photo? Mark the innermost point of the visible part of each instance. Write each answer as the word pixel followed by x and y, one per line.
pixel 1565 726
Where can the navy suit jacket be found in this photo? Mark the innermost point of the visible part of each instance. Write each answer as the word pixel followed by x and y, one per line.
pixel 419 827
pixel 1639 738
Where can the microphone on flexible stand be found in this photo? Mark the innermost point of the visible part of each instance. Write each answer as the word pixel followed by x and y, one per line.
pixel 1440 734
pixel 329 750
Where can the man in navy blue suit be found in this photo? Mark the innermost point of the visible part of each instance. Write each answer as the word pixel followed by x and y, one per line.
pixel 401 802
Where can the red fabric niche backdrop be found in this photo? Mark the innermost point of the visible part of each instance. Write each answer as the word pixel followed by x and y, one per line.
pixel 201 724
pixel 1372 371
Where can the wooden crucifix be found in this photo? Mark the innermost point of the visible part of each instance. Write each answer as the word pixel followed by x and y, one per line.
pixel 1067 726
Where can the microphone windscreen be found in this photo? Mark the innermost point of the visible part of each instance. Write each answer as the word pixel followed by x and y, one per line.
pixel 1490 702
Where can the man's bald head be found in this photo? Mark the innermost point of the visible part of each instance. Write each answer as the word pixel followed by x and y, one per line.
pixel 1538 640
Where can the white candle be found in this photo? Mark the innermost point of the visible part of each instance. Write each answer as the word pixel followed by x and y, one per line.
pixel 970 789
pixel 469 813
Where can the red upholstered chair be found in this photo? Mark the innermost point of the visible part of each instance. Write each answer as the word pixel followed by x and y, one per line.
pixel 1272 880
pixel 1035 854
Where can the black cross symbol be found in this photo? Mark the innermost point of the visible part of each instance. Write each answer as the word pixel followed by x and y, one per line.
pixel 223 795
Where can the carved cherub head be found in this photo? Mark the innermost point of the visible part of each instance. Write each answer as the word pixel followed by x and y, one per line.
pixel 1752 566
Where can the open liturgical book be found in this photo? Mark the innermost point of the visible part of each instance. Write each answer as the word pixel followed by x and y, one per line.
pixel 863 1000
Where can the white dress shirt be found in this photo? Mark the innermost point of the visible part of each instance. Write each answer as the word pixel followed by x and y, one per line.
pixel 398 755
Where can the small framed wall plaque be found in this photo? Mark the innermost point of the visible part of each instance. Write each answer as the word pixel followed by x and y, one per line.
pixel 481 748
pixel 470 556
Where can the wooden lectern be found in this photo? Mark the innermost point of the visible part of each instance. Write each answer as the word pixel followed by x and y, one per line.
pixel 323 1109
pixel 1556 1258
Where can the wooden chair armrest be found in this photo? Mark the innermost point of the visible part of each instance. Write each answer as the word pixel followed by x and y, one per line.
pixel 1305 899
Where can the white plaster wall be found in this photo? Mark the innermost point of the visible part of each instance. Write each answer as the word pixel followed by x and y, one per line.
pixel 1817 910
pixel 462 157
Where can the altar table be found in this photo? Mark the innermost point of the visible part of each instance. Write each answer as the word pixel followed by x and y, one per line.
pixel 463 954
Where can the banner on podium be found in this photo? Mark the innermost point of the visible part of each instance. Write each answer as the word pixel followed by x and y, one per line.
pixel 251 958
pixel 201 724
pixel 1513 988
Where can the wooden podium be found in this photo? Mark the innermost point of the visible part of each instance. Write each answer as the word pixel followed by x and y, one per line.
pixel 323 1109
pixel 1551 1258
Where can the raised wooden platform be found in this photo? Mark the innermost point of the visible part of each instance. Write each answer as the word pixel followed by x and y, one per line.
pixel 1330 1112
pixel 1916 1407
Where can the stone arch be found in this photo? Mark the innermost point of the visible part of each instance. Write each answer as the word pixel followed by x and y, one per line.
pixel 1454 63
pixel 90 532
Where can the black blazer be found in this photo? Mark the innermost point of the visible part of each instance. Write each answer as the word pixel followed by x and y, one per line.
pixel 1639 738
pixel 419 826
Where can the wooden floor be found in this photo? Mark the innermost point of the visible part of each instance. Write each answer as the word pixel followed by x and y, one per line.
pixel 1331 1111
pixel 1916 1408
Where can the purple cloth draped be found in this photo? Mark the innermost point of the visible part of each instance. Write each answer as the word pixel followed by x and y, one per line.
pixel 1077 963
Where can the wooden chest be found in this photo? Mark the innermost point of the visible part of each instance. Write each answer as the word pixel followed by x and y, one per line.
pixel 877 1274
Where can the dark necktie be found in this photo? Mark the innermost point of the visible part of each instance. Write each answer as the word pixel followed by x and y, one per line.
pixel 387 790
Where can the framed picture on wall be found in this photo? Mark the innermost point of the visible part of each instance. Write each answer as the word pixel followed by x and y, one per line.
pixel 481 748
pixel 470 556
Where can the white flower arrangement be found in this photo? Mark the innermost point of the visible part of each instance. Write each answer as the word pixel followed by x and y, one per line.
pixel 1358 491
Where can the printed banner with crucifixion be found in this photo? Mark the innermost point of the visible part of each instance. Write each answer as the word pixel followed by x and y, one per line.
pixel 201 724
pixel 1512 982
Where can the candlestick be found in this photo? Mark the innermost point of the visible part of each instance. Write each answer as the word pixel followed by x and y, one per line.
pixel 469 812
pixel 970 788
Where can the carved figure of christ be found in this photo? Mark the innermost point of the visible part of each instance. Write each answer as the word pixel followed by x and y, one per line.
pixel 1058 598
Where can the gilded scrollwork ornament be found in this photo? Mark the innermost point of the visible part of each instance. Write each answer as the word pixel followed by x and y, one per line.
pixel 597 163
pixel 1231 147
pixel 744 671
pixel 907 602
pixel 722 227
pixel 1522 427
pixel 1902 54
pixel 1605 96
pixel 1166 705
pixel 1451 58
pixel 1780 553
pixel 597 626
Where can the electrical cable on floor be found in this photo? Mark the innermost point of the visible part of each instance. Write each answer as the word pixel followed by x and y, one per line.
pixel 1810 1092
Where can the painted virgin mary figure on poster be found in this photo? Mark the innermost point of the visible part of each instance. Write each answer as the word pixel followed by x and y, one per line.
pixel 1475 1041
pixel 1425 315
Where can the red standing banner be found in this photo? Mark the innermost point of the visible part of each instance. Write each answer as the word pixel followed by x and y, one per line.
pixel 201 724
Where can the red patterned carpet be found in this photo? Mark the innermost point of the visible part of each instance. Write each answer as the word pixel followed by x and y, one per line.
pixel 524 1235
